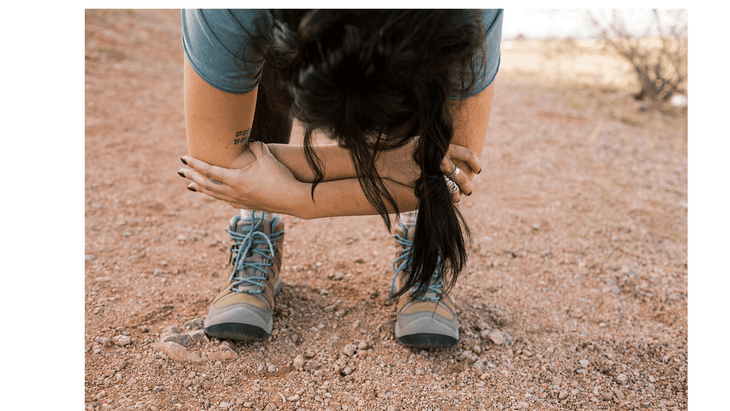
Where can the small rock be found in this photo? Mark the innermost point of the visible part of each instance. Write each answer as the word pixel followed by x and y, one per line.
pixel 271 368
pixel 222 355
pixel 270 407
pixel 224 405
pixel 293 398
pixel 497 337
pixel 309 354
pixel 177 352
pixel 363 345
pixel 182 339
pixel 477 349
pixel 103 340
pixel 198 336
pixel 227 346
pixel 563 395
pixel 346 371
pixel 122 340
pixel 187 383
pixel 349 349
pixel 298 362
pixel 173 330
pixel 194 324
pixel 584 363
pixel 144 329
pixel 157 389
pixel 652 379
pixel 181 239
pixel 622 379
pixel 374 294
pixel 90 257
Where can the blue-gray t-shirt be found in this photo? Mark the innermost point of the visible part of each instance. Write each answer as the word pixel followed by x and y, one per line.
pixel 216 43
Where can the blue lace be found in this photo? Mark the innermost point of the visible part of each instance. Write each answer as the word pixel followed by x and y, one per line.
pixel 405 260
pixel 242 246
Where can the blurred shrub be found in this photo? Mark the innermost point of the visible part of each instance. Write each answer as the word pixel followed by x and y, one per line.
pixel 658 56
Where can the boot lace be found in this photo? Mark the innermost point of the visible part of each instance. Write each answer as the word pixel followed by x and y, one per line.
pixel 435 288
pixel 245 246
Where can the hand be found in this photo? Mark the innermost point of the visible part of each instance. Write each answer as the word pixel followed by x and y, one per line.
pixel 262 184
pixel 398 165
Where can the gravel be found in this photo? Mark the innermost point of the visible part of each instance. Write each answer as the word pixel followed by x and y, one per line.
pixel 602 204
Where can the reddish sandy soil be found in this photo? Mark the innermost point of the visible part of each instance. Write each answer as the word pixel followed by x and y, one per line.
pixel 578 261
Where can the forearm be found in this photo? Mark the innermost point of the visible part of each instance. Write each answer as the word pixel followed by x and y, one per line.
pixel 346 198
pixel 336 161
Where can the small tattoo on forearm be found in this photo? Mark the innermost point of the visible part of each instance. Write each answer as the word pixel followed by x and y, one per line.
pixel 242 136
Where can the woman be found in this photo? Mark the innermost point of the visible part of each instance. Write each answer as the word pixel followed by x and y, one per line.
pixel 404 95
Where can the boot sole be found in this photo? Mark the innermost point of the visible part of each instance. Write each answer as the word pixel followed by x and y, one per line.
pixel 237 331
pixel 427 340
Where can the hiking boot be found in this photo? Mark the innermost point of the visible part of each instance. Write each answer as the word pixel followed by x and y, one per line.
pixel 244 308
pixel 425 322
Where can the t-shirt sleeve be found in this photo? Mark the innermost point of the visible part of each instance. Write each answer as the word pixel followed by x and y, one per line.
pixel 218 45
pixel 487 72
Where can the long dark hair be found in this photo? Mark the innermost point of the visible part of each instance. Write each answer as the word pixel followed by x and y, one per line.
pixel 373 80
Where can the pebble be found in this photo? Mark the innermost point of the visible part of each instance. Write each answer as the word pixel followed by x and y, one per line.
pixel 346 371
pixel 122 340
pixel 224 405
pixel 270 407
pixel 227 346
pixel 198 336
pixel 103 340
pixel 497 337
pixel 363 345
pixel 293 398
pixel 177 352
pixel 157 389
pixel 349 349
pixel 90 257
pixel 584 363
pixel 477 349
pixel 562 395
pixel 144 329
pixel 173 330
pixel 299 362
pixel 221 355
pixel 622 379
pixel 652 379
pixel 271 368
pixel 182 339
pixel 194 324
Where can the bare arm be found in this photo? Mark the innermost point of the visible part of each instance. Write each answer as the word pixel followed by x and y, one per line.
pixel 217 122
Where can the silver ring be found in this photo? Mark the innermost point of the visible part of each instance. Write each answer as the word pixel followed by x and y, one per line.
pixel 451 185
pixel 456 172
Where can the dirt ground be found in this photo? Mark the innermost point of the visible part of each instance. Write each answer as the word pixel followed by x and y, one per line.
pixel 575 295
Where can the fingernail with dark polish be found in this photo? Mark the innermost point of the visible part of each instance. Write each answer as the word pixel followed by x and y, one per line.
pixel 192 189
pixel 183 161
pixel 480 170
pixel 180 173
